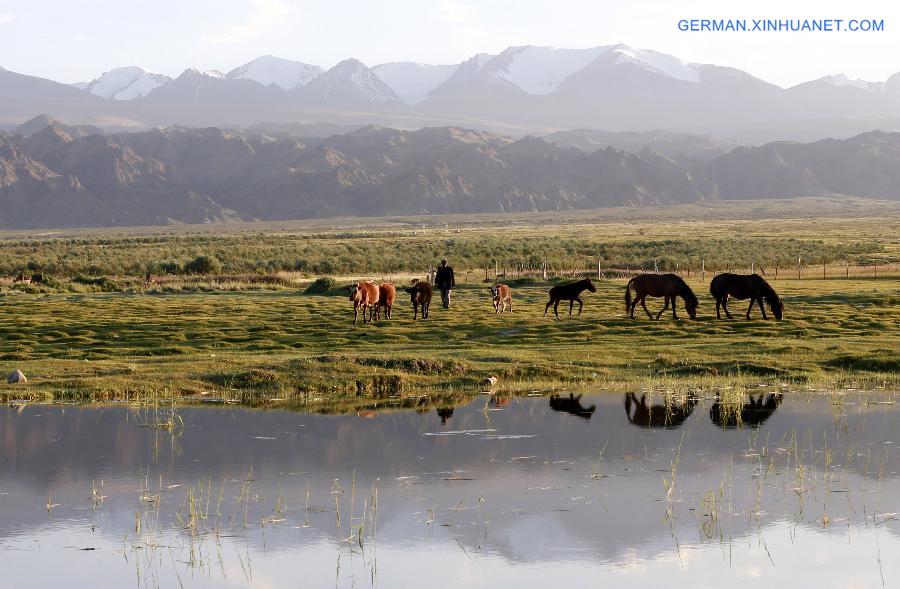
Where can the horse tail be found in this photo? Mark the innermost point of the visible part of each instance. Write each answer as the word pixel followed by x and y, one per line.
pixel 628 296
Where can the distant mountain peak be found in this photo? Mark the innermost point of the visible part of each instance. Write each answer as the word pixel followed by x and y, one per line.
pixel 269 70
pixel 843 79
pixel 124 83
pixel 350 82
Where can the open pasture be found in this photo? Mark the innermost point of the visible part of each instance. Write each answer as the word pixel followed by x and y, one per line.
pixel 260 345
pixel 244 329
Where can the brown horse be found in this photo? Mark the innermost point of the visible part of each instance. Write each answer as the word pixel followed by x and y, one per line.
pixel 669 286
pixel 502 296
pixel 420 295
pixel 364 296
pixel 745 286
pixel 568 292
pixel 387 292
pixel 663 415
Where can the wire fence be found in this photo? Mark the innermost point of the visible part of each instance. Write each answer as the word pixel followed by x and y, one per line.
pixel 701 271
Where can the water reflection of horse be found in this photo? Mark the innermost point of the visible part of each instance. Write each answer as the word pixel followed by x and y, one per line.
pixel 571 404
pixel 753 413
pixel 669 415
pixel 445 413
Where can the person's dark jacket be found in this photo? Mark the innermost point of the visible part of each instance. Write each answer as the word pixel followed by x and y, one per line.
pixel 444 279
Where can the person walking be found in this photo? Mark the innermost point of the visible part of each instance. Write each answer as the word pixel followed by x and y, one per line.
pixel 445 281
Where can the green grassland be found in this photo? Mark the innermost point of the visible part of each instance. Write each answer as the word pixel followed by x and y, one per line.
pixel 260 345
pixel 90 335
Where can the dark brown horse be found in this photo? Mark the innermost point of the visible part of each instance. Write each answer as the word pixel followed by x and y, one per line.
pixel 668 415
pixel 745 286
pixel 669 286
pixel 420 295
pixel 568 292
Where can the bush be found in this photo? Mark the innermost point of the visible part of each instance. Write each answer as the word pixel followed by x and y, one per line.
pixel 203 265
pixel 323 285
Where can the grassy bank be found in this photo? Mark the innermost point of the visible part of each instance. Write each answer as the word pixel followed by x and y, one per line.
pixel 294 348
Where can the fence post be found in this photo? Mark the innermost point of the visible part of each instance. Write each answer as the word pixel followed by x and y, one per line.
pixel 848 269
pixel 823 269
pixel 799 266
pixel 776 271
pixel 703 269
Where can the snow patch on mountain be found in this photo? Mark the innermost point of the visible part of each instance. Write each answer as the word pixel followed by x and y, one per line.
pixel 844 80
pixel 661 62
pixel 125 83
pixel 413 82
pixel 540 70
pixel 275 71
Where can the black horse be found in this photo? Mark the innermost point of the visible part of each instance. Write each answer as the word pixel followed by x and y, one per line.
pixel 568 292
pixel 745 286
pixel 572 405
pixel 753 413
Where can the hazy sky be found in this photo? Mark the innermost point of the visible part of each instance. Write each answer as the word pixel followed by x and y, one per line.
pixel 76 40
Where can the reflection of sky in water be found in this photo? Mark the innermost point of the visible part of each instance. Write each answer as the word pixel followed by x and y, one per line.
pixel 523 495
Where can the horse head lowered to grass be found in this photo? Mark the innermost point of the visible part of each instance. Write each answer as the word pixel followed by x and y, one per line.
pixel 669 286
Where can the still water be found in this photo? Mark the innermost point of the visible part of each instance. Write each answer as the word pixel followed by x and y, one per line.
pixel 621 491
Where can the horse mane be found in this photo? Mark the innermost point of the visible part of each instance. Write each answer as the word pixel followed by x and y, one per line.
pixel 684 289
pixel 769 293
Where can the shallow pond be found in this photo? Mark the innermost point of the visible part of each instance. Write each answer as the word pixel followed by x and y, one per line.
pixel 621 490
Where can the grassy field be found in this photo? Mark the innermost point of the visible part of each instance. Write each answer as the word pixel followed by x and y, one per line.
pixel 88 335
pixel 286 347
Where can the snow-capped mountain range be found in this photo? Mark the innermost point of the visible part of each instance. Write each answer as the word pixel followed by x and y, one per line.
pixel 525 89
pixel 531 69
pixel 534 70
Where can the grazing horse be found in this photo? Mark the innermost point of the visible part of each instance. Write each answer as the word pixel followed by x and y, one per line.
pixel 753 413
pixel 571 405
pixel 669 286
pixel 745 286
pixel 420 295
pixel 664 415
pixel 568 292
pixel 364 295
pixel 387 292
pixel 502 296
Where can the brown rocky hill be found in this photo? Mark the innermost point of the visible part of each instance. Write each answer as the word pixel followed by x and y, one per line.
pixel 52 178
